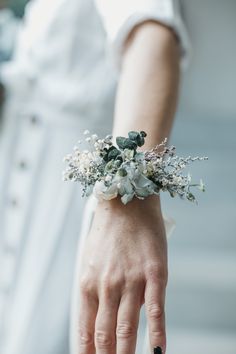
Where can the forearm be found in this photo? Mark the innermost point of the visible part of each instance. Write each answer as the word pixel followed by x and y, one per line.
pixel 148 86
pixel 146 96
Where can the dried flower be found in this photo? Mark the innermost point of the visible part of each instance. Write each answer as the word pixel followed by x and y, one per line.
pixel 108 170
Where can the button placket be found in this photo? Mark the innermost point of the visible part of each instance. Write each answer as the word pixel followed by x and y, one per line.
pixel 28 148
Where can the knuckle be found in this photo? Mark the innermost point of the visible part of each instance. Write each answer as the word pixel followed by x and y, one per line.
pixel 109 285
pixel 125 330
pixel 86 285
pixel 103 339
pixel 155 311
pixel 136 280
pixel 157 271
pixel 85 337
pixel 158 336
pixel 106 284
pixel 135 284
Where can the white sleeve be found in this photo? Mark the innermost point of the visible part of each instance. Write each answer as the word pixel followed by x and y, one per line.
pixel 120 16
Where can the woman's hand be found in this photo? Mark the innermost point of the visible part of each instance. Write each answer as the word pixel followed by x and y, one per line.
pixel 124 265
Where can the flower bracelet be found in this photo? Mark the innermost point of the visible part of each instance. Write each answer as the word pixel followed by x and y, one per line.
pixel 109 171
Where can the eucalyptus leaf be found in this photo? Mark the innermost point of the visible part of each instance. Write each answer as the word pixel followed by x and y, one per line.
pixel 136 137
pixel 143 134
pixel 142 182
pixel 133 135
pixel 125 143
pixel 142 192
pixel 109 166
pixel 140 140
pixel 122 172
pixel 113 153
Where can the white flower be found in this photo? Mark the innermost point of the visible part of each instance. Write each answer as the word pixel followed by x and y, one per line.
pixel 127 198
pixel 108 178
pixel 128 154
pixel 164 182
pixel 177 180
pixel 131 170
pixel 144 186
pixel 150 168
pixel 94 137
pixel 124 185
pixel 102 192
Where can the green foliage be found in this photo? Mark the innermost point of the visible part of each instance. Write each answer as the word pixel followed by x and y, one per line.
pixel 137 137
pixel 109 166
pixel 134 140
pixel 125 143
pixel 122 172
pixel 111 153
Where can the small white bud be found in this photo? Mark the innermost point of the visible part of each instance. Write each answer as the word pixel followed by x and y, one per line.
pixel 94 137
pixel 108 178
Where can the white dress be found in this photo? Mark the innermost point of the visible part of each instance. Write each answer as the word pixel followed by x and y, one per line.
pixel 61 81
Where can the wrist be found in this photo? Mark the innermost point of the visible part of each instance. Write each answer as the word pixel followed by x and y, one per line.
pixel 149 205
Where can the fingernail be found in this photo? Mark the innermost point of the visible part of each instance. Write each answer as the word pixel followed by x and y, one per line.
pixel 157 350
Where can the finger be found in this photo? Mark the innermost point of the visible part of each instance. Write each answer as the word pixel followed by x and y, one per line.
pixel 127 322
pixel 105 325
pixel 87 315
pixel 155 312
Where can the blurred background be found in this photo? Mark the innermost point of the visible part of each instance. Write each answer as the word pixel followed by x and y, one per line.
pixel 201 296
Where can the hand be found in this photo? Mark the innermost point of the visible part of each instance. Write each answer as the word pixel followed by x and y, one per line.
pixel 124 265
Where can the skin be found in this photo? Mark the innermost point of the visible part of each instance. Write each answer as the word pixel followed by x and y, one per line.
pixel 3 4
pixel 124 263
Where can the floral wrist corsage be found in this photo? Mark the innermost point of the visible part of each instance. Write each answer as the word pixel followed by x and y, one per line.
pixel 108 170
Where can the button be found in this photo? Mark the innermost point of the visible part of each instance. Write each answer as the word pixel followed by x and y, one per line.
pixel 14 202
pixel 34 119
pixel 22 164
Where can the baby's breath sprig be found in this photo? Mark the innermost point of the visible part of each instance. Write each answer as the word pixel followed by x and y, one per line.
pixel 108 170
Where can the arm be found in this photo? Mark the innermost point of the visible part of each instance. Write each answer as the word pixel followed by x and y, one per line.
pixel 147 91
pixel 125 258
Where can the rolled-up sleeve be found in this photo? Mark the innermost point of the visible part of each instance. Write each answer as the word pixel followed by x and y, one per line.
pixel 120 17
